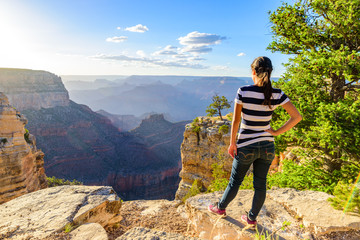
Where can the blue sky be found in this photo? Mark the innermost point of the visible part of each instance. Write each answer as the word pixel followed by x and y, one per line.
pixel 150 37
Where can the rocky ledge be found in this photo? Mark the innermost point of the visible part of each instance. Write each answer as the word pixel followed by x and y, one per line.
pixel 96 213
pixel 308 215
pixel 39 214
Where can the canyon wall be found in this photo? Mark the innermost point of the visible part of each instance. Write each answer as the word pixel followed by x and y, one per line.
pixel 200 149
pixel 83 145
pixel 21 164
pixel 29 89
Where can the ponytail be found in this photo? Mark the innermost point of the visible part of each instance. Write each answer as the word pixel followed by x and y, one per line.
pixel 263 69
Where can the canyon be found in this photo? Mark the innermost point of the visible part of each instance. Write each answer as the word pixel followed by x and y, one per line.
pixel 83 145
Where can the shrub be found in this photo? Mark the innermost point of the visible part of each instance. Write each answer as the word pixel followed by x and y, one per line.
pixel 346 197
pixel 195 127
pixel 224 129
pixel 3 140
pixel 53 182
pixel 220 181
pixel 193 191
pixel 247 183
pixel 69 227
pixel 27 136
pixel 311 176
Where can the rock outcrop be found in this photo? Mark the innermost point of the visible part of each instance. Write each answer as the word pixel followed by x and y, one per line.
pixel 39 214
pixel 308 215
pixel 21 164
pixel 200 149
pixel 29 89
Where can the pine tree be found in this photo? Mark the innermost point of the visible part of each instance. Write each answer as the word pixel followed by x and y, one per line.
pixel 218 104
pixel 322 76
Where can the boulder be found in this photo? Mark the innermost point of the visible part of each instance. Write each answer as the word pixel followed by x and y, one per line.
pixel 39 214
pixel 140 233
pixel 89 231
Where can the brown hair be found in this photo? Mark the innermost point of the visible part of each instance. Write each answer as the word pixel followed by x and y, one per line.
pixel 263 68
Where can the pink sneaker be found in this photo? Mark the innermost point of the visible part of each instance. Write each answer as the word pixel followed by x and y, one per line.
pixel 248 222
pixel 216 210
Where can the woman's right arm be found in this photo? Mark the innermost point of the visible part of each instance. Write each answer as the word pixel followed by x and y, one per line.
pixel 232 150
pixel 295 117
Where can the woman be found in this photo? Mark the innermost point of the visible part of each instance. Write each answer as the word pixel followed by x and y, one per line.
pixel 255 104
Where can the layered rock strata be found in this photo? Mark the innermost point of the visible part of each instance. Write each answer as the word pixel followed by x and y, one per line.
pixel 21 164
pixel 29 89
pixel 200 149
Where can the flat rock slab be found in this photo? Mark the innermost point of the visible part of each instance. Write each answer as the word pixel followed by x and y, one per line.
pixel 308 212
pixel 315 211
pixel 37 215
pixel 270 219
pixel 140 233
pixel 89 231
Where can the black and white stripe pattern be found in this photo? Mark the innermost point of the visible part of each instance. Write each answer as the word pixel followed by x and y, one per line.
pixel 256 117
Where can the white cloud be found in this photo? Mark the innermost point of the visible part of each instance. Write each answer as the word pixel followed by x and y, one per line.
pixel 154 61
pixel 196 49
pixel 168 50
pixel 202 39
pixel 196 59
pixel 180 55
pixel 197 43
pixel 118 28
pixel 117 39
pixel 141 53
pixel 138 28
pixel 241 54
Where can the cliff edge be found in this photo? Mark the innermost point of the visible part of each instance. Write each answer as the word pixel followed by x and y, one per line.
pixel 205 143
pixel 31 89
pixel 21 164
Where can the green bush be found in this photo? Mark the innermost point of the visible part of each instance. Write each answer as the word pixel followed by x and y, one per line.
pixel 247 183
pixel 53 182
pixel 193 191
pixel 308 176
pixel 224 129
pixel 27 136
pixel 3 140
pixel 311 175
pixel 346 197
pixel 220 181
pixel 195 127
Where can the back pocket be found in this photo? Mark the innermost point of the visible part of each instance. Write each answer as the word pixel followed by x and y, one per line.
pixel 245 155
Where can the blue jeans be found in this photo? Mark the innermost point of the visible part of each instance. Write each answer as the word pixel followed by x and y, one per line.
pixel 259 154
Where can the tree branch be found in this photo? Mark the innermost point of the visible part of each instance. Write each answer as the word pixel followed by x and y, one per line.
pixel 349 83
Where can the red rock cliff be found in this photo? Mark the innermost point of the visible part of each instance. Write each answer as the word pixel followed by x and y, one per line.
pixel 21 164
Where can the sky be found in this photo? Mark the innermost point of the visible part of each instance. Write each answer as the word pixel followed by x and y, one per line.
pixel 137 37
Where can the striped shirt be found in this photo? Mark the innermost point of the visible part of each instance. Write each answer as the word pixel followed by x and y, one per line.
pixel 256 117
